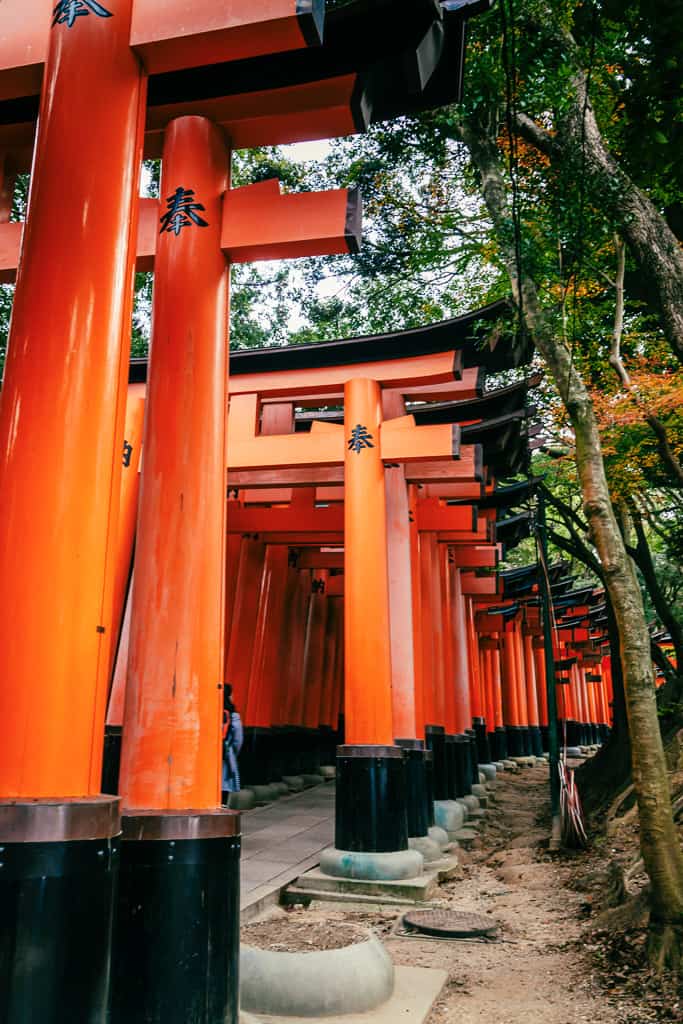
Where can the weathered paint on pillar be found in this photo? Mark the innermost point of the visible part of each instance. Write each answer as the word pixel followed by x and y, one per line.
pixel 62 410
pixel 171 754
pixel 368 704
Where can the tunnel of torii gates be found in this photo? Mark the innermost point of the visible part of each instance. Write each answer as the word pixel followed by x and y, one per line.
pixel 410 641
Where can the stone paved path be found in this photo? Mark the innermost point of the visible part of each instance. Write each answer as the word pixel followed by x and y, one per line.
pixel 282 840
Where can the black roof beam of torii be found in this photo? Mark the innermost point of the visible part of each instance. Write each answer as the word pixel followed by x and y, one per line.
pixel 465 334
pixel 379 59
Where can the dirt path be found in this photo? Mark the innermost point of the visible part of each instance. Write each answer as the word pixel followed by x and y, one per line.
pixel 539 971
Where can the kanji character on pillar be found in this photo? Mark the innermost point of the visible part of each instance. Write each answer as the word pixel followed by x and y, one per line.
pixel 66 11
pixel 360 438
pixel 181 212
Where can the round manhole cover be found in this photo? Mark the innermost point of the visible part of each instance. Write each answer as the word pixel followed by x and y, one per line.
pixel 452 924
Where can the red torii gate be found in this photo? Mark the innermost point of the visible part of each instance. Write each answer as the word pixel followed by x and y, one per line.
pixel 120 78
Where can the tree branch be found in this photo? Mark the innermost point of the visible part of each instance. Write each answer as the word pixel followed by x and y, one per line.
pixel 539 137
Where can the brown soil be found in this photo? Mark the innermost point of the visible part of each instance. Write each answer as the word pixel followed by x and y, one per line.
pixel 551 964
pixel 292 935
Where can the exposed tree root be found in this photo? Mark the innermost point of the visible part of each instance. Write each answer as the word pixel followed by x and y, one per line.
pixel 665 947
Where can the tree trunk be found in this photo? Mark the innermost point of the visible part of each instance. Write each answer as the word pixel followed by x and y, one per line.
pixel 661 852
pixel 642 556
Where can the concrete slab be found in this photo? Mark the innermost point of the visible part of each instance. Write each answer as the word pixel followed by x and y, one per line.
pixel 415 992
pixel 411 890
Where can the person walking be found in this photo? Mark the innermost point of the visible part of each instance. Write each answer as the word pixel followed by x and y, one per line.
pixel 233 737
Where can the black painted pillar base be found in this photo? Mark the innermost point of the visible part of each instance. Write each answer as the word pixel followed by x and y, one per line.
pixel 111 759
pixel 545 738
pixel 452 766
pixel 328 745
pixel 536 740
pixel 254 759
pixel 474 756
pixel 435 738
pixel 573 733
pixel 525 741
pixel 58 873
pixel 420 814
pixel 176 949
pixel 501 743
pixel 463 754
pixel 515 740
pixel 483 748
pixel 371 805
pixel 429 782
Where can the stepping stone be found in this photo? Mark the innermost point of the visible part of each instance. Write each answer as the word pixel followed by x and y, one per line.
pixel 481 794
pixel 294 783
pixel 328 772
pixel 243 800
pixel 312 779
pixel 467 837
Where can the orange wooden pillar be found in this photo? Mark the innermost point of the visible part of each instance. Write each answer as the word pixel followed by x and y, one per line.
pixel 171 759
pixel 478 724
pixel 509 692
pixel 400 590
pixel 371 814
pixel 128 510
pixel 429 610
pixel 463 705
pixel 328 711
pixel 500 747
pixel 62 412
pixel 522 687
pixel 240 646
pixel 118 668
pixel 314 652
pixel 61 439
pixel 541 688
pixel 368 705
pixel 295 631
pixel 427 633
pixel 449 683
pixel 535 734
pixel 416 610
pixel 263 761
